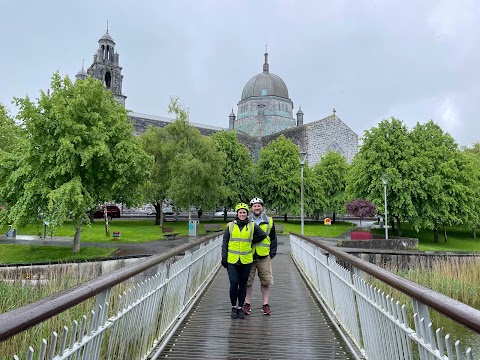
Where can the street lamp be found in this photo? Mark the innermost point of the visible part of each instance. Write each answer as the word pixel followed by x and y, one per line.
pixel 301 159
pixel 384 181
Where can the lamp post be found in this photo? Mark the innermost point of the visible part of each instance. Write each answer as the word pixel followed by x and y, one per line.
pixel 301 159
pixel 384 181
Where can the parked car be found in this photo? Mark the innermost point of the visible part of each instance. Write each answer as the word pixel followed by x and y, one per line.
pixel 169 214
pixel 230 214
pixel 113 211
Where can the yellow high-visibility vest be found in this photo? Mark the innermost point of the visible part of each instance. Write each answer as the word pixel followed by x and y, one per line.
pixel 240 244
pixel 263 248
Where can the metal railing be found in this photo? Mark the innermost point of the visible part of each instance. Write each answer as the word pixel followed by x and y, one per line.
pixel 376 324
pixel 145 315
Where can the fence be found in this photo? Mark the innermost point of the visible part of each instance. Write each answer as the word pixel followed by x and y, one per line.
pixel 144 316
pixel 377 325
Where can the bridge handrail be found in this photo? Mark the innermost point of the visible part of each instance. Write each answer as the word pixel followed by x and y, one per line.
pixel 20 319
pixel 456 310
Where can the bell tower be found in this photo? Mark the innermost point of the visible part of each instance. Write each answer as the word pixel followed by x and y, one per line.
pixel 106 67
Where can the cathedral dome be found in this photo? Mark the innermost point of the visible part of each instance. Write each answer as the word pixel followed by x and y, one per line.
pixel 265 84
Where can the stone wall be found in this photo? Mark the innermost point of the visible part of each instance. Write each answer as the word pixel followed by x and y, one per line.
pixel 390 244
pixel 404 260
pixel 330 134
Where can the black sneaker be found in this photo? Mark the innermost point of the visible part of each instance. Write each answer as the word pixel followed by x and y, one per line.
pixel 234 314
pixel 241 315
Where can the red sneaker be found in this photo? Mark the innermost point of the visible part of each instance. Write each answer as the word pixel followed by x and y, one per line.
pixel 246 309
pixel 266 309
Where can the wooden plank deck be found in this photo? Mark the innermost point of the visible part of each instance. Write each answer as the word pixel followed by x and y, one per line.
pixel 297 329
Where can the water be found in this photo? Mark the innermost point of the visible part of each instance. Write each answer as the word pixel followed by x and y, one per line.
pixel 468 338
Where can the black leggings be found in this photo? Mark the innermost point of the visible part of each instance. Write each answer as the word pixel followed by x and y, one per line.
pixel 238 275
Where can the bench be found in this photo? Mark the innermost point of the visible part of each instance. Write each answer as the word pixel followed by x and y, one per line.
pixel 168 232
pixel 279 229
pixel 212 227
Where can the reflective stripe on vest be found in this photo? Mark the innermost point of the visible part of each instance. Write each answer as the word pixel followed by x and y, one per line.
pixel 263 248
pixel 240 244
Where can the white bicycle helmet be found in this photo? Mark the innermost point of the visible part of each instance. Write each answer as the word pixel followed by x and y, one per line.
pixel 256 201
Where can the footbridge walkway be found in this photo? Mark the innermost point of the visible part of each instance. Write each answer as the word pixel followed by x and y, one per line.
pixel 175 305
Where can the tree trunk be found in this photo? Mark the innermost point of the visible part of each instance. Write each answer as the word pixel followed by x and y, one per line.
pixel 285 218
pixel 399 227
pixel 76 236
pixel 158 213
pixel 474 233
pixel 445 233
pixel 392 223
pixel 225 214
pixel 333 217
pixel 105 216
pixel 435 234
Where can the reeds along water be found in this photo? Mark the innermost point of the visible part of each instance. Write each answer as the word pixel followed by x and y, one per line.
pixel 25 284
pixel 455 276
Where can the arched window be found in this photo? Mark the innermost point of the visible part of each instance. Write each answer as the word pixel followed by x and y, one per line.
pixel 108 80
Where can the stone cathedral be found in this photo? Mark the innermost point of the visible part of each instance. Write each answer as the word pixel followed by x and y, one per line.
pixel 264 112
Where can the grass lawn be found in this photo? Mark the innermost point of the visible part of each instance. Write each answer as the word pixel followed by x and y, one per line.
pixel 137 231
pixel 457 239
pixel 29 254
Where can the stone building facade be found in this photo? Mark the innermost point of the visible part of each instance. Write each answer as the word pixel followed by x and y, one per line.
pixel 265 112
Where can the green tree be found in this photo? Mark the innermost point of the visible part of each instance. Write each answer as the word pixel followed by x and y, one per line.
pixel 80 152
pixel 11 135
pixel 381 154
pixel 196 167
pixel 277 177
pixel 473 169
pixel 155 143
pixel 237 175
pixel 12 140
pixel 332 174
pixel 444 191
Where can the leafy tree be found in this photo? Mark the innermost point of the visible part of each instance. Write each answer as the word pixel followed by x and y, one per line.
pixel 12 139
pixel 196 167
pixel 381 154
pixel 278 179
pixel 473 169
pixel 11 134
pixel 155 143
pixel 332 173
pixel 237 173
pixel 361 208
pixel 445 190
pixel 80 152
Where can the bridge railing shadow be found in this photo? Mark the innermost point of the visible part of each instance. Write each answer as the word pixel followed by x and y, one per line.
pixel 375 323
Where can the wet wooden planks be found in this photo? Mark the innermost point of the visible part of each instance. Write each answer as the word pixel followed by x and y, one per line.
pixel 297 328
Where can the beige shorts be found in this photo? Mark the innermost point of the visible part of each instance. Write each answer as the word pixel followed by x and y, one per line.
pixel 264 268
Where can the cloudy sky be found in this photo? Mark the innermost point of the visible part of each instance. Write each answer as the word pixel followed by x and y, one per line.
pixel 370 60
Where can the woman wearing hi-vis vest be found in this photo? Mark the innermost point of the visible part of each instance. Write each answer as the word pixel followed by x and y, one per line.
pixel 237 256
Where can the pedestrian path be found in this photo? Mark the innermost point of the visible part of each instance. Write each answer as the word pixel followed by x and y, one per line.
pixel 297 329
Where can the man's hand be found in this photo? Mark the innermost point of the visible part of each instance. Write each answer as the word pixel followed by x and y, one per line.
pixel 224 263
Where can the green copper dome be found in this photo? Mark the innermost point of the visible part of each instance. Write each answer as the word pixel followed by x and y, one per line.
pixel 265 84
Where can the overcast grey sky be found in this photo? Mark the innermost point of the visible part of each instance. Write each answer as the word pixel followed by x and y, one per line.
pixel 370 60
